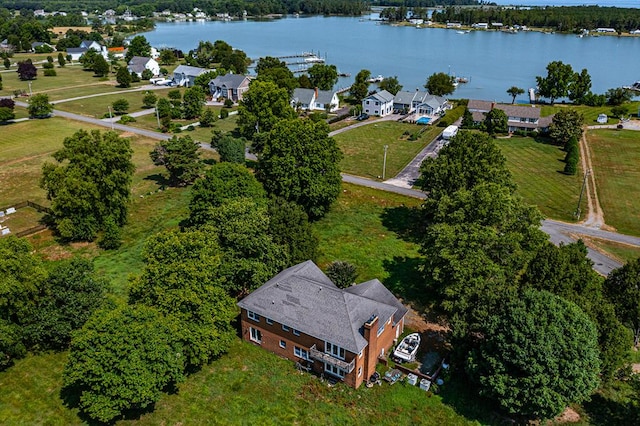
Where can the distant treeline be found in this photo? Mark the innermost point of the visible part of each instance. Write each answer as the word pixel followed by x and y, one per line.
pixel 567 19
pixel 232 7
pixel 425 3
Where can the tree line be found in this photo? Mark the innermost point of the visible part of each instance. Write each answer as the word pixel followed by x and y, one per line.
pixel 565 19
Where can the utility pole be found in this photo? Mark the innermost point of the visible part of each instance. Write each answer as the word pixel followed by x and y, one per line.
pixel 384 161
pixel 157 115
pixel 30 93
pixel 110 117
pixel 584 184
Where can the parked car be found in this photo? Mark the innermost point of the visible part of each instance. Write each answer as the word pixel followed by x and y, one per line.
pixel 362 117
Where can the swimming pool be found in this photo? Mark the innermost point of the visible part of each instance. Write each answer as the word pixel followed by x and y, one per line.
pixel 423 120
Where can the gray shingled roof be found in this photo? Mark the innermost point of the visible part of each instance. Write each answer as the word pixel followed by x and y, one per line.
pixel 304 96
pixel 189 70
pixel 230 80
pixel 303 298
pixel 475 104
pixel 137 64
pixel 71 50
pixel 382 96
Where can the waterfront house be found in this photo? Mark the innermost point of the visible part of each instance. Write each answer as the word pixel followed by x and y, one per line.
pixel 408 102
pixel 454 25
pixel 301 315
pixel 315 100
pixel 634 32
pixel 230 86
pixel 519 117
pixel 117 52
pixel 380 104
pixel 605 30
pixel 480 26
pixel 185 75
pixel 138 64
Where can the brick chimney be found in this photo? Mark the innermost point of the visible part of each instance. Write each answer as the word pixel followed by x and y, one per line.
pixel 371 351
pixel 316 92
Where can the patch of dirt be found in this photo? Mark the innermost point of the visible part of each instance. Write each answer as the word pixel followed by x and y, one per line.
pixel 127 134
pixel 635 368
pixel 433 334
pixel 56 252
pixel 569 415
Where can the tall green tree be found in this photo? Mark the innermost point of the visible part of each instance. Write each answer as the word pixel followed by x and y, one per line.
pixel 39 106
pixel 514 91
pixel 138 46
pixel 101 66
pixel 565 125
pixel 123 77
pixel 538 354
pixel 262 106
pixel 222 183
pixel 360 88
pixel 230 149
pixel 580 86
pixel 440 84
pixel 391 85
pixel 496 121
pixel 622 286
pixel 290 228
pixel 193 101
pixel 181 157
pixel 89 182
pixel 69 296
pixel 322 76
pixel 181 278
pixel 556 84
pixel 122 360
pixel 300 163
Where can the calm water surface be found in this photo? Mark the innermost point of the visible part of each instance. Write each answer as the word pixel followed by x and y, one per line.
pixel 493 61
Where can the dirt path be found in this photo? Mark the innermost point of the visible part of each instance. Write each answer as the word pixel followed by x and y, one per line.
pixel 595 215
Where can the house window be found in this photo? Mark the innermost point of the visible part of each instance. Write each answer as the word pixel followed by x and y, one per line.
pixel 334 370
pixel 253 316
pixel 269 321
pixel 377 103
pixel 381 329
pixel 367 102
pixel 296 332
pixel 300 353
pixel 285 327
pixel 360 354
pixel 334 350
pixel 256 335
pixel 283 344
pixel 359 371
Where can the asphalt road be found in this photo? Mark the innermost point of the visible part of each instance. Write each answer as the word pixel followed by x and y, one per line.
pixel 558 231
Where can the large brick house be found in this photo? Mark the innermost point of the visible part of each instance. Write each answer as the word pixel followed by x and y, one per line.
pixel 301 315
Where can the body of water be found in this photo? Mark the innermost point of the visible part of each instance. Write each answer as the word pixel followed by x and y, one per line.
pixel 492 61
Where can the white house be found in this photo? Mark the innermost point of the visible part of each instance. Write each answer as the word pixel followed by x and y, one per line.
pixel 315 100
pixel 138 64
pixel 634 32
pixel 185 75
pixel 90 44
pixel 380 104
pixel 427 104
pixel 480 26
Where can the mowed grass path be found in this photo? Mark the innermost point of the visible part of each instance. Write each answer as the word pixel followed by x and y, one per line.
pixel 615 159
pixel 363 147
pixel 246 386
pixel 537 170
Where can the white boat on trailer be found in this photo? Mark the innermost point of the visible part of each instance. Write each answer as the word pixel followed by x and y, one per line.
pixel 408 348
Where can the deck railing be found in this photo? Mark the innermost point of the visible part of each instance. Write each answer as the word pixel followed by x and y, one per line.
pixel 329 359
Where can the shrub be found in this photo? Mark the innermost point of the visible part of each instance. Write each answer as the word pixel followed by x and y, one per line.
pixel 50 73
pixel 451 116
pixel 191 128
pixel 127 119
pixel 228 103
pixel 147 74
pixel 47 65
pixel 207 118
pixel 224 113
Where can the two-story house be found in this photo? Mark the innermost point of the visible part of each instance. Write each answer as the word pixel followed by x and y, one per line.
pixel 185 75
pixel 380 104
pixel 519 117
pixel 229 86
pixel 301 315
pixel 419 102
pixel 315 100
pixel 138 64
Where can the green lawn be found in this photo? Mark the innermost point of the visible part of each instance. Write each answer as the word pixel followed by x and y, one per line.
pixel 622 252
pixel 363 147
pixel 590 113
pixel 372 230
pixel 615 159
pixel 247 386
pixel 537 170
pixel 98 106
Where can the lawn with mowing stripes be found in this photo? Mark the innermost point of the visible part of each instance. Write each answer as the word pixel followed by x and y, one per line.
pixel 98 106
pixel 537 170
pixel 363 147
pixel 590 113
pixel 616 155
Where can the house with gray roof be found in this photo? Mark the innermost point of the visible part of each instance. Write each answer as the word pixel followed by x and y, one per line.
pixel 185 75
pixel 229 86
pixel 301 315
pixel 379 103
pixel 421 103
pixel 315 100
pixel 138 64
pixel 523 118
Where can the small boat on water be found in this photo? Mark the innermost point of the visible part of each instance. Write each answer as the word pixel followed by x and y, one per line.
pixel 408 348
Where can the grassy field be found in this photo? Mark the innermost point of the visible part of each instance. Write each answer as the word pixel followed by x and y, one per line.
pixel 98 106
pixel 372 230
pixel 537 169
pixel 363 147
pixel 615 161
pixel 247 386
pixel 202 134
pixel 621 252
pixel 590 113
